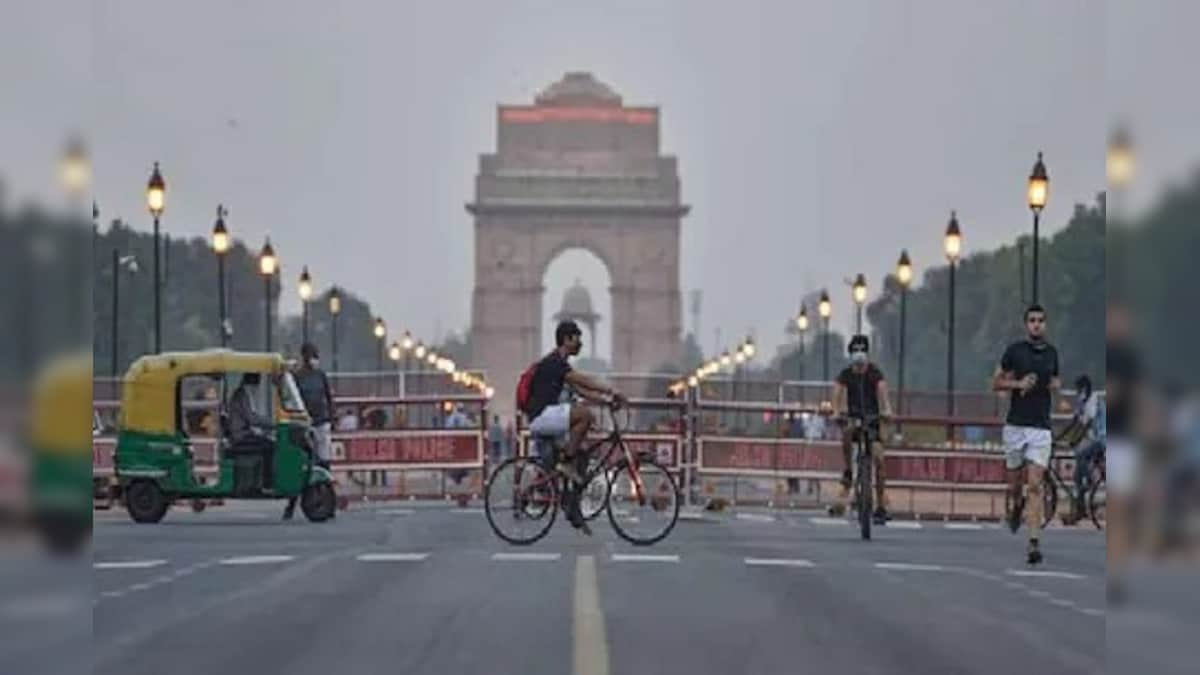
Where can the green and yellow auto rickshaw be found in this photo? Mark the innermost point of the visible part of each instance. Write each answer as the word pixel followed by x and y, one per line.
pixel 155 461
pixel 61 447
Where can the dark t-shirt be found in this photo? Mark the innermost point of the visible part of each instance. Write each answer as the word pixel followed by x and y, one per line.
pixel 314 386
pixel 862 389
pixel 548 382
pixel 1033 408
pixel 1124 369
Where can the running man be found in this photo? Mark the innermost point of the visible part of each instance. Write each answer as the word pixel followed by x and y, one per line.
pixel 1029 372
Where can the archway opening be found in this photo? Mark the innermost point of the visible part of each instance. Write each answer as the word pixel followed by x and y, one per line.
pixel 577 286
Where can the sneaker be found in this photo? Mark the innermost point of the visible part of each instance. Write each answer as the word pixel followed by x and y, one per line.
pixel 1035 554
pixel 1014 516
pixel 881 517
pixel 290 510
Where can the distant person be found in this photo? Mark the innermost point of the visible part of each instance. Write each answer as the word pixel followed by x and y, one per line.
pixel 859 391
pixel 318 401
pixel 1029 373
pixel 496 439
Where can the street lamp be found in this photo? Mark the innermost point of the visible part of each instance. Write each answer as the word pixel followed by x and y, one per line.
pixel 1039 191
pixel 953 246
pixel 860 297
pixel 1119 165
pixel 335 308
pixel 267 263
pixel 305 290
pixel 220 246
pixel 156 200
pixel 904 274
pixel 394 354
pixel 380 334
pixel 801 329
pixel 825 309
pixel 74 170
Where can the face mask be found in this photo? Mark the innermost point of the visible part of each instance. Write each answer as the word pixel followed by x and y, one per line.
pixel 858 358
pixel 314 362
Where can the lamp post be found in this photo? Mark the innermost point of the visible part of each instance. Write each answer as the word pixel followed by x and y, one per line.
pixel 156 198
pixel 75 174
pixel 305 290
pixel 1119 164
pixel 904 275
pixel 1039 191
pixel 860 297
pixel 801 329
pixel 335 308
pixel 825 309
pixel 953 244
pixel 380 331
pixel 119 262
pixel 220 247
pixel 394 353
pixel 266 266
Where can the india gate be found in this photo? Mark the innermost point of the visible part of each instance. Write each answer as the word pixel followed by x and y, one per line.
pixel 576 169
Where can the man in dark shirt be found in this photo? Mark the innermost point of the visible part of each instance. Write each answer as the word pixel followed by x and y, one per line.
pixel 1029 372
pixel 1126 402
pixel 860 390
pixel 318 401
pixel 549 415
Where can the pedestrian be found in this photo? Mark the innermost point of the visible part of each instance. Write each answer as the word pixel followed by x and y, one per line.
pixel 318 401
pixel 496 439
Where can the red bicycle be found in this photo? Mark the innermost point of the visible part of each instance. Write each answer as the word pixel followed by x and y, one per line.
pixel 524 494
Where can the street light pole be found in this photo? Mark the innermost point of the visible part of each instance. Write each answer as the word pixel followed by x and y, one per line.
pixel 156 190
pixel 116 304
pixel 267 264
pixel 220 245
pixel 860 297
pixel 904 274
pixel 305 289
pixel 1039 189
pixel 825 309
pixel 335 308
pixel 953 244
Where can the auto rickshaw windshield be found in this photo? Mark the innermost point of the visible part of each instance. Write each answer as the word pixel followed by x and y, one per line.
pixel 289 394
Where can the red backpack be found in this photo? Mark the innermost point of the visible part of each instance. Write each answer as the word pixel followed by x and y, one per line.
pixel 525 387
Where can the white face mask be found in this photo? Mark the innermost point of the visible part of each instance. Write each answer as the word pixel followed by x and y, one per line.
pixel 858 358
pixel 314 362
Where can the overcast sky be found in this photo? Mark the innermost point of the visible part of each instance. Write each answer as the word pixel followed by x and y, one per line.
pixel 815 140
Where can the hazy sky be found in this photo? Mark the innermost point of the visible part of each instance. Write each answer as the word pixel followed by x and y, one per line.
pixel 815 140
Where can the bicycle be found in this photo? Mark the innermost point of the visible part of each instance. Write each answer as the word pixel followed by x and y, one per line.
pixel 530 491
pixel 1095 500
pixel 863 493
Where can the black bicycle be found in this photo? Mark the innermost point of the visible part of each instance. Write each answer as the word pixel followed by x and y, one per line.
pixel 524 494
pixel 1094 497
pixel 863 426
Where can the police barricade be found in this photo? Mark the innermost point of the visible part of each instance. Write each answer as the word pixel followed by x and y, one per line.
pixel 415 447
pixel 791 455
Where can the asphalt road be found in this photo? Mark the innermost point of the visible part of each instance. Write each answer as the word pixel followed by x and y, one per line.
pixel 429 589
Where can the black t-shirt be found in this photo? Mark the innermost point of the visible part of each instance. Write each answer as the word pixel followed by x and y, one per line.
pixel 1021 358
pixel 1124 369
pixel 862 389
pixel 548 382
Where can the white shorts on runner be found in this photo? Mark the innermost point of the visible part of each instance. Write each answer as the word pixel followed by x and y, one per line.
pixel 324 447
pixel 1026 444
pixel 555 420
pixel 1123 464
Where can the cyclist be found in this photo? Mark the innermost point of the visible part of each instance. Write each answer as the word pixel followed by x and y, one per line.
pixel 1089 414
pixel 1029 372
pixel 861 390
pixel 549 416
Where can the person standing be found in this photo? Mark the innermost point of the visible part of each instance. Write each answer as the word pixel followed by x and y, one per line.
pixel 318 401
pixel 1029 373
pixel 495 434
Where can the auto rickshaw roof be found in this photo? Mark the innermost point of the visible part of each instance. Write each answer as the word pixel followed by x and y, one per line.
pixel 62 390
pixel 148 391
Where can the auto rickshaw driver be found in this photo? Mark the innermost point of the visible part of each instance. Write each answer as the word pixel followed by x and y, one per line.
pixel 251 433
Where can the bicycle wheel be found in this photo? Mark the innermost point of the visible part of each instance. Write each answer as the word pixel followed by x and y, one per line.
pixel 643 502
pixel 594 497
pixel 521 501
pixel 1097 502
pixel 865 502
pixel 1049 499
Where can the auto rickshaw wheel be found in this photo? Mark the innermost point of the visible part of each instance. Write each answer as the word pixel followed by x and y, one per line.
pixel 146 502
pixel 318 502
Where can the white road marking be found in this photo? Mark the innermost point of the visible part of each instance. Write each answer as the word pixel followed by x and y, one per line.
pixel 590 646
pixel 756 517
pixel 257 560
pixel 909 567
pixel 141 587
pixel 821 520
pixel 1044 573
pixel 904 525
pixel 634 557
pixel 778 562
pixel 468 512
pixel 396 512
pixel 527 557
pixel 392 557
pixel 1092 612
pixel 1061 603
pixel 129 564
pixel 963 526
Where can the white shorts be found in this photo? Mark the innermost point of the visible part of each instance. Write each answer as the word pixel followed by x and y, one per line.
pixel 1026 444
pixel 1122 463
pixel 324 447
pixel 555 420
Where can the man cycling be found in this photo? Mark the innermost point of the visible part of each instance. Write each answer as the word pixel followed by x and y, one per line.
pixel 1089 415
pixel 550 415
pixel 861 390
pixel 1029 372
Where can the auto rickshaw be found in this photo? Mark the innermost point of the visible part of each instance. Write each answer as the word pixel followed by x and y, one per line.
pixel 61 448
pixel 155 462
